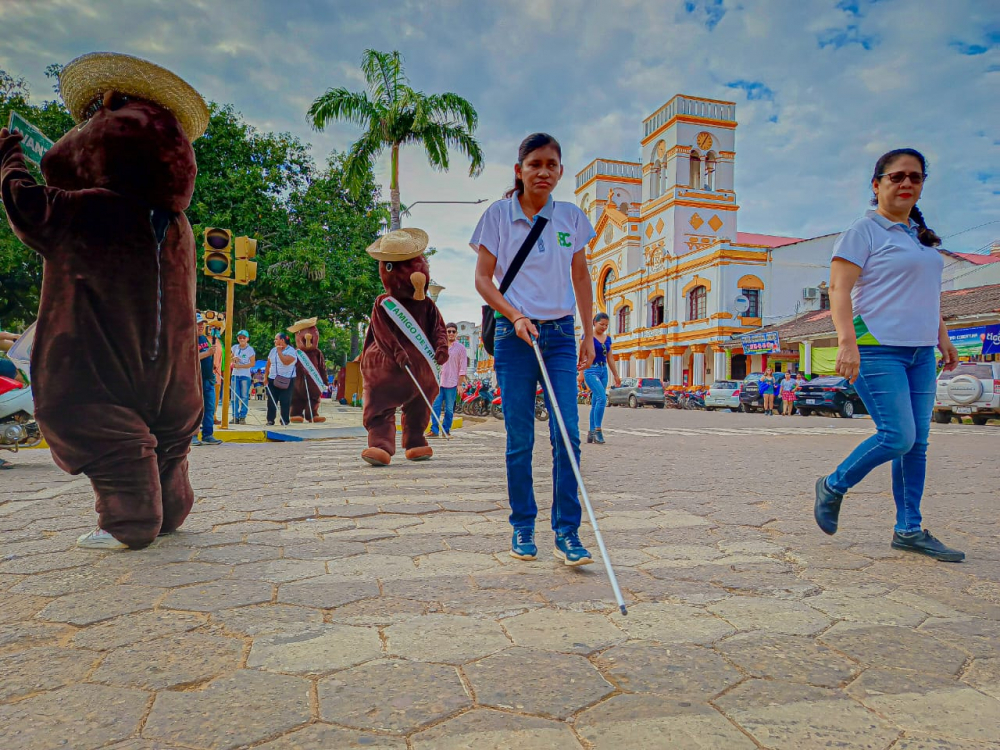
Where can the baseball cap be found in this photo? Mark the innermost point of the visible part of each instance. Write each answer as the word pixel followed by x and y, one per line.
pixel 242 333
pixel 199 318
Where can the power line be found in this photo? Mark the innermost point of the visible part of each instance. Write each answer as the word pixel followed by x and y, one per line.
pixel 995 221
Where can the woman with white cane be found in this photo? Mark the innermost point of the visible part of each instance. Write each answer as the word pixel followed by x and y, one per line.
pixel 538 307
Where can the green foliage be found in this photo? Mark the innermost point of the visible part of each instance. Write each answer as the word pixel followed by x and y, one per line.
pixel 393 114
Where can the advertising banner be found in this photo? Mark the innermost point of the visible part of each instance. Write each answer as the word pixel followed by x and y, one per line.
pixel 760 343
pixel 968 341
pixel 991 340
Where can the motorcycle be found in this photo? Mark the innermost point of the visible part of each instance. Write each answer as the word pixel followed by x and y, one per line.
pixel 696 399
pixel 496 408
pixel 541 412
pixel 479 402
pixel 18 428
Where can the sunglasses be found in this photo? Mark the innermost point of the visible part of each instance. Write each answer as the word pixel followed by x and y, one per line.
pixel 897 177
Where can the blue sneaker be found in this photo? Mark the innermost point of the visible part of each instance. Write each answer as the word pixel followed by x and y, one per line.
pixel 195 441
pixel 570 549
pixel 522 544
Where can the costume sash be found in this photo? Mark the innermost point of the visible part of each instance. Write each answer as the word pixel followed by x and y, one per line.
pixel 401 317
pixel 310 369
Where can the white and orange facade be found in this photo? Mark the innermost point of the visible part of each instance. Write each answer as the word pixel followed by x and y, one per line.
pixel 668 263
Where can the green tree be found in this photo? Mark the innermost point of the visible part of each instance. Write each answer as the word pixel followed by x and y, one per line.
pixel 393 114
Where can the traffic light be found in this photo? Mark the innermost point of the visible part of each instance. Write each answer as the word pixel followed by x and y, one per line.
pixel 246 268
pixel 218 253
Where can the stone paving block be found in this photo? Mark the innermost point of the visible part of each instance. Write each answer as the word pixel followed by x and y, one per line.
pixel 92 715
pixel 392 696
pixel 185 537
pixel 678 672
pixel 647 721
pixel 139 626
pixel 183 659
pixel 537 682
pixel 325 592
pixel 788 716
pixel 430 589
pixel 143 745
pixel 43 563
pixel 45 668
pixel 672 623
pixel 650 589
pixel 62 582
pixel 984 675
pixel 89 607
pixel 217 595
pixel 320 649
pixel 887 646
pixel 231 712
pixel 449 639
pixel 858 606
pixel 18 607
pixel 370 567
pixel 412 545
pixel 940 743
pixel 280 571
pixel 178 574
pixel 975 636
pixel 378 612
pixel 564 631
pixel 771 615
pixel 258 619
pixel 788 658
pixel 930 704
pixel 328 737
pixel 324 549
pixel 485 729
pixel 455 563
pixel 237 554
pixel 32 634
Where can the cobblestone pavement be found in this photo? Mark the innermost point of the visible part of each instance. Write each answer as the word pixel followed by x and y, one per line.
pixel 314 602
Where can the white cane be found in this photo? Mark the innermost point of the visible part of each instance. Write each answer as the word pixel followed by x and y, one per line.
pixel 579 479
pixel 427 401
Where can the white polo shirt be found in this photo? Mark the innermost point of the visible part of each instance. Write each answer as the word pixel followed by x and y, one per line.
pixel 543 288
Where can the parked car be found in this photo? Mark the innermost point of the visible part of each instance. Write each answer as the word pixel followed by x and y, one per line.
pixel 972 388
pixel 750 396
pixel 723 394
pixel 637 392
pixel 829 394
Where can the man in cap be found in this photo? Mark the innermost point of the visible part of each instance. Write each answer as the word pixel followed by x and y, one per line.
pixel 243 358
pixel 206 355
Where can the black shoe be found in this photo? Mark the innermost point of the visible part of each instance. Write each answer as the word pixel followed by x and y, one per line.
pixel 925 544
pixel 827 508
pixel 599 437
pixel 590 436
pixel 270 423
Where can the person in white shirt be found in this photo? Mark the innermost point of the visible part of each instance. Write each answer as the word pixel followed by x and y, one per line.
pixel 539 304
pixel 241 362
pixel 279 372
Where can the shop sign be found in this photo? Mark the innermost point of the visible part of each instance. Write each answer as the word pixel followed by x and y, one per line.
pixel 760 343
pixel 974 342
pixel 991 340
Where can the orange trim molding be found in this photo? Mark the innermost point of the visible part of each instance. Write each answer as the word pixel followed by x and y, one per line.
pixel 696 282
pixel 750 282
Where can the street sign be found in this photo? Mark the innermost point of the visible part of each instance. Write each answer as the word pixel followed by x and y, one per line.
pixel 35 143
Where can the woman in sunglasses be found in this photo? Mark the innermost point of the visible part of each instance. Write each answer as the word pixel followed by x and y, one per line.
pixel 885 297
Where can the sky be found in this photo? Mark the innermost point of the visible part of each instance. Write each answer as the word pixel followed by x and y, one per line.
pixel 821 88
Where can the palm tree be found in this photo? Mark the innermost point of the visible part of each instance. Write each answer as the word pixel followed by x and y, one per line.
pixel 393 114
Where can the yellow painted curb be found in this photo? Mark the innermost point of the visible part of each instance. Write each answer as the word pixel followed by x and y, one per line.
pixel 241 436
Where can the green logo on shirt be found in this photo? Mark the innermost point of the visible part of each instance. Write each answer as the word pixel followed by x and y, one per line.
pixel 564 239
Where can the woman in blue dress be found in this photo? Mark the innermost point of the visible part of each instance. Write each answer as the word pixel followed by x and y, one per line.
pixel 596 377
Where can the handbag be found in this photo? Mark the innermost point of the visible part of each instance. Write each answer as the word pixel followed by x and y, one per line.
pixel 489 326
pixel 281 382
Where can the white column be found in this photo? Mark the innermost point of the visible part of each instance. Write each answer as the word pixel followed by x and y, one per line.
pixel 676 369
pixel 658 367
pixel 640 368
pixel 719 367
pixel 807 367
pixel 698 368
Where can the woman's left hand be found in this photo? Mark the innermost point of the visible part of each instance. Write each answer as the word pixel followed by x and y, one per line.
pixel 586 353
pixel 949 355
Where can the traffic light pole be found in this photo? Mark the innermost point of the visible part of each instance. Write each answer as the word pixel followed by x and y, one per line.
pixel 227 376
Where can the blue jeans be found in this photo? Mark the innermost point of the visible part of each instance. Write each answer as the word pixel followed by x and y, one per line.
pixel 518 375
pixel 897 386
pixel 597 381
pixel 208 420
pixel 447 397
pixel 241 397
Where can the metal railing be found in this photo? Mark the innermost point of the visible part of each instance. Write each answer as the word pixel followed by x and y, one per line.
pixel 608 169
pixel 680 105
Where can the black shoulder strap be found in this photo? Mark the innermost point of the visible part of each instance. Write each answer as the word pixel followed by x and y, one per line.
pixel 522 253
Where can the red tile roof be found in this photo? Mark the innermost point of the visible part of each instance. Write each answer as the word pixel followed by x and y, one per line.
pixel 978 259
pixel 767 240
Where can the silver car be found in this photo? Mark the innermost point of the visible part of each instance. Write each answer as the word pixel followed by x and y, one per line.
pixel 636 392
pixel 973 389
pixel 724 394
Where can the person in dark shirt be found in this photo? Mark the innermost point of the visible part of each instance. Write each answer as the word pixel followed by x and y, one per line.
pixel 205 355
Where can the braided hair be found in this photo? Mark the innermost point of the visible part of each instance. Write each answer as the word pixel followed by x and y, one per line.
pixel 925 234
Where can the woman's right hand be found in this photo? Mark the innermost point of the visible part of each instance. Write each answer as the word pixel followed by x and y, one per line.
pixel 848 362
pixel 525 330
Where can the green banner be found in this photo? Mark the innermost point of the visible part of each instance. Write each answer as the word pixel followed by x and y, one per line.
pixel 35 143
pixel 410 328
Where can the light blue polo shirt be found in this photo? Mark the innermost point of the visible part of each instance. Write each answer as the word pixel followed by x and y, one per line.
pixel 543 288
pixel 897 299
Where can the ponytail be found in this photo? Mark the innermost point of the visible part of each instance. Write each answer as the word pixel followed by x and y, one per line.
pixel 533 142
pixel 925 234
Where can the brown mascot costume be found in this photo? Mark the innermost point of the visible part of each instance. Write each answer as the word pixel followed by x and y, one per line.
pixel 115 364
pixel 387 351
pixel 305 398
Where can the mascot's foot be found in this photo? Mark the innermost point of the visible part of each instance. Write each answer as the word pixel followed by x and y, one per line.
pixel 298 419
pixel 419 454
pixel 317 420
pixel 377 456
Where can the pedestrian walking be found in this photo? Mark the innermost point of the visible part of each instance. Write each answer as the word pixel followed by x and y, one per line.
pixel 242 361
pixel 206 356
pixel 885 297
pixel 596 377
pixel 767 387
pixel 788 387
pixel 8 370
pixel 538 305
pixel 279 372
pixel 452 378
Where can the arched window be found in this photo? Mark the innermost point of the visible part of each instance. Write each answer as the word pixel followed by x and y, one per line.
pixel 698 303
pixel 585 203
pixel 654 180
pixel 623 207
pixel 624 319
pixel 606 282
pixel 656 312
pixel 710 164
pixel 695 178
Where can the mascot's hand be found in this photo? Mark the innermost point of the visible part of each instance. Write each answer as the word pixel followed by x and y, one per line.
pixel 402 359
pixel 441 357
pixel 8 141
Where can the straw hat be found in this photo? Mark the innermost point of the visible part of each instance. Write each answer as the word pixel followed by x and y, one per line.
pixel 401 244
pixel 301 325
pixel 88 77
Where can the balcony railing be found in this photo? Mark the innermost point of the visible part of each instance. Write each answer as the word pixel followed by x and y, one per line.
pixel 608 169
pixel 681 105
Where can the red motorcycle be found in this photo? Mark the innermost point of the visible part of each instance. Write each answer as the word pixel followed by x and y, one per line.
pixel 496 407
pixel 541 413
